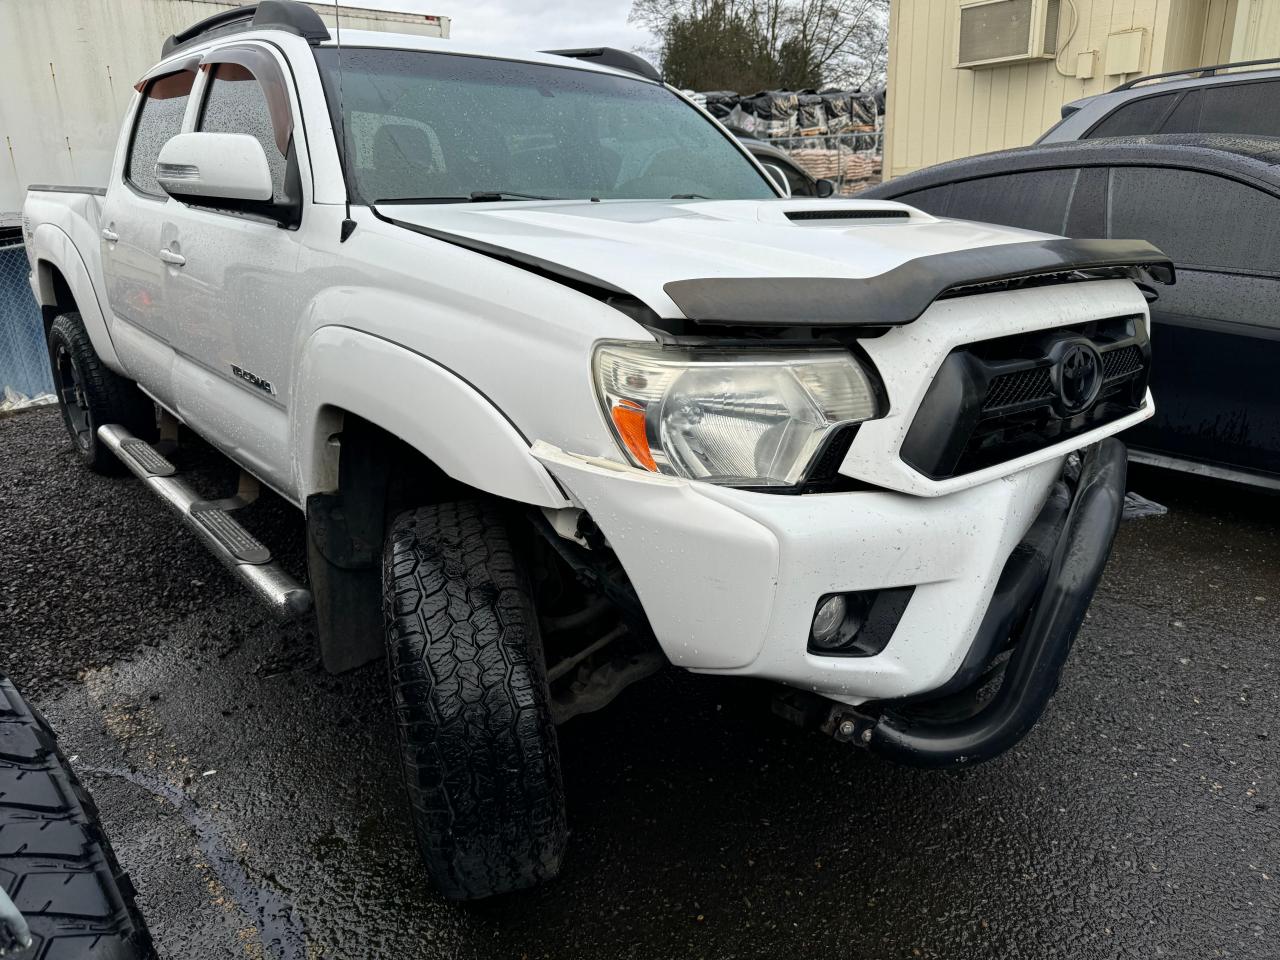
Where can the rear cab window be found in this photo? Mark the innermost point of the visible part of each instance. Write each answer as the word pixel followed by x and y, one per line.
pixel 159 119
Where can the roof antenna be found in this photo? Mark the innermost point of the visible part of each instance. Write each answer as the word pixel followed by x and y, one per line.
pixel 348 225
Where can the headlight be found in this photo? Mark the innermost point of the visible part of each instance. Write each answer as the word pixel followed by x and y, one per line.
pixel 729 416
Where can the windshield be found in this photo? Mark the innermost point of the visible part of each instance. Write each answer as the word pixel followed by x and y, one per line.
pixel 443 126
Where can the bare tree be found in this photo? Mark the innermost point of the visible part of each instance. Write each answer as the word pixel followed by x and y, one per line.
pixel 755 44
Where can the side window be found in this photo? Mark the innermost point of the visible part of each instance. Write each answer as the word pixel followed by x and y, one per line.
pixel 1034 200
pixel 1200 220
pixel 1134 119
pixel 1252 108
pixel 934 200
pixel 164 101
pixel 236 103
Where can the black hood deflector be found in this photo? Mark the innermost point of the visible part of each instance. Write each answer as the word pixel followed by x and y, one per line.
pixel 901 295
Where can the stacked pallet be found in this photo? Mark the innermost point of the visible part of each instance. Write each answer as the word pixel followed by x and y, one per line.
pixel 841 164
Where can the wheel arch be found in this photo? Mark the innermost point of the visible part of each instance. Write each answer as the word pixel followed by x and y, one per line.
pixel 61 283
pixel 368 447
pixel 346 373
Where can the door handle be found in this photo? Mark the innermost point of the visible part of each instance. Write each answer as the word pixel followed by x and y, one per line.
pixel 171 258
pixel 109 235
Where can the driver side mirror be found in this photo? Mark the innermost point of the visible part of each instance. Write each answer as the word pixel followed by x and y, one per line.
pixel 824 188
pixel 203 167
pixel 778 177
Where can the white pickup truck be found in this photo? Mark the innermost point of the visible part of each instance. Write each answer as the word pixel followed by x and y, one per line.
pixel 568 388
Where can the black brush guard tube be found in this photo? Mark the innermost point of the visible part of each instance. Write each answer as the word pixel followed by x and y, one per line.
pixel 908 733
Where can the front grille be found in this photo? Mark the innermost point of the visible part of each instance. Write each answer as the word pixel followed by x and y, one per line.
pixel 1124 362
pixel 1010 389
pixel 998 400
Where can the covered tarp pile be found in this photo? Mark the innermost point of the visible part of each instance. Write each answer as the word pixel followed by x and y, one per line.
pixel 772 113
pixel 720 103
pixel 790 113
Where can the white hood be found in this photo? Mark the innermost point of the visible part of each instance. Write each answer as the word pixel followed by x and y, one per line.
pixel 640 245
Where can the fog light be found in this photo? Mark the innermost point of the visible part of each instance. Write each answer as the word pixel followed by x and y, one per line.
pixel 857 624
pixel 827 622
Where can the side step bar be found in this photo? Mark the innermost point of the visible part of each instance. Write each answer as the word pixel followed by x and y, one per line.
pixel 211 521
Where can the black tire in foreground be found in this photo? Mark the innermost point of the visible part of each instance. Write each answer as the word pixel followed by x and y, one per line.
pixel 55 863
pixel 468 678
pixel 90 395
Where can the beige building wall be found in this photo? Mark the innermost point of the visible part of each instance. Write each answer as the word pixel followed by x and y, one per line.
pixel 937 112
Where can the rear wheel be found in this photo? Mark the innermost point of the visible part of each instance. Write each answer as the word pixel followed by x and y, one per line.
pixel 55 863
pixel 90 395
pixel 480 758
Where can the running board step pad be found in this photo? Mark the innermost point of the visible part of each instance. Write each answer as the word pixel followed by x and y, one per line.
pixel 222 534
pixel 232 537
pixel 140 455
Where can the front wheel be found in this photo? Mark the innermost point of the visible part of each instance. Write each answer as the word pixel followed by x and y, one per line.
pixel 468 678
pixel 91 395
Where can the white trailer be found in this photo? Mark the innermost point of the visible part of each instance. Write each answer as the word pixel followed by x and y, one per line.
pixel 67 69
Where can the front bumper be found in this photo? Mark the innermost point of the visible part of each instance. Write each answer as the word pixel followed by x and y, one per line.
pixel 1041 600
pixel 729 579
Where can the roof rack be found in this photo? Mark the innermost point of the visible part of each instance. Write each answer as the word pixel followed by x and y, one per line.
pixel 1194 72
pixel 288 15
pixel 612 57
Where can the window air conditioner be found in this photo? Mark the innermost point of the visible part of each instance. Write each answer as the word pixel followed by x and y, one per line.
pixel 995 32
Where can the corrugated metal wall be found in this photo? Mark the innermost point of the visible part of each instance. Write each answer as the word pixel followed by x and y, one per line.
pixel 67 69
pixel 937 112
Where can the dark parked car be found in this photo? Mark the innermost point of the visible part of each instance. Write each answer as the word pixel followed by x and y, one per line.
pixel 802 185
pixel 1213 205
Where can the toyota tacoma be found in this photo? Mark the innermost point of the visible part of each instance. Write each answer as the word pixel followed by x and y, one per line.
pixel 568 388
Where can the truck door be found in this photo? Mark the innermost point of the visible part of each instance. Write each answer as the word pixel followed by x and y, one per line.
pixel 232 272
pixel 131 223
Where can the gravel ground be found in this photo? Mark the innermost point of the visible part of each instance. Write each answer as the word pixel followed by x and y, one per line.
pixel 254 798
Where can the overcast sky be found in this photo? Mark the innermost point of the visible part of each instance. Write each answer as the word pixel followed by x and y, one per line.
pixel 536 24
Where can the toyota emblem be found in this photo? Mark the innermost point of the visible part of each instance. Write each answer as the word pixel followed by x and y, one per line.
pixel 1078 377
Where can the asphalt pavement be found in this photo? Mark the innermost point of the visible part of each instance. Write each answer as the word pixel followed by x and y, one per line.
pixel 254 799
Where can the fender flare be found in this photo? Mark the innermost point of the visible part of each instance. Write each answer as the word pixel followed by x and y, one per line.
pixel 52 248
pixel 426 405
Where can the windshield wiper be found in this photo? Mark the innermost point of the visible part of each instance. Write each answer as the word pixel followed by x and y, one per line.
pixel 476 196
pixel 688 196
pixel 488 196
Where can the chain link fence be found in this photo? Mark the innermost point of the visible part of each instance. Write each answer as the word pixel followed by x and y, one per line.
pixel 24 359
pixel 854 160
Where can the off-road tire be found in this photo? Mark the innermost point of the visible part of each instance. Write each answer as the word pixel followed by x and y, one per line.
pixel 468 678
pixel 98 395
pixel 55 863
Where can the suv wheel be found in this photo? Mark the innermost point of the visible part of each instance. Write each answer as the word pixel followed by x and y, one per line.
pixel 468 678
pixel 90 395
